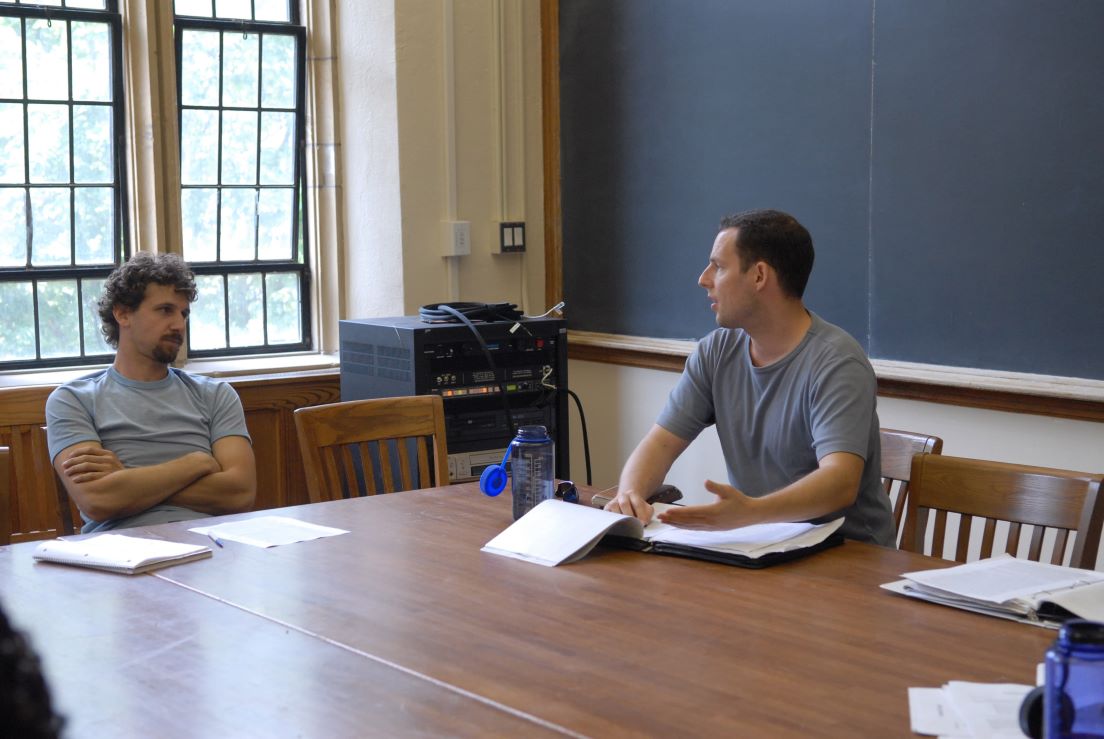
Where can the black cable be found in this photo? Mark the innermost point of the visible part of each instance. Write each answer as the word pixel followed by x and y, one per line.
pixel 461 314
pixel 586 438
pixel 446 312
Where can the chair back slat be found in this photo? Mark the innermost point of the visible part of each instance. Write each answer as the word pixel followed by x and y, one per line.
pixel 387 477
pixel 965 526
pixel 1014 496
pixel 1035 544
pixel 1013 542
pixel 5 496
pixel 423 458
pixel 378 437
pixel 940 530
pixel 898 449
pixel 404 464
pixel 368 467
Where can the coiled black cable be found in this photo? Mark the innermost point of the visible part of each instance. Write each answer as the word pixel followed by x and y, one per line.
pixel 447 312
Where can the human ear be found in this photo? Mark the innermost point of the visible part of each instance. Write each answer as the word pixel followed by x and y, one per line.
pixel 121 313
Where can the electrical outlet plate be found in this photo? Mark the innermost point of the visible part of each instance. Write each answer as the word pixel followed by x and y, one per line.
pixel 457 239
pixel 511 237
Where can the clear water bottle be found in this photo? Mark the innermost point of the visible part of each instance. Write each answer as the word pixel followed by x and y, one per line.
pixel 531 473
pixel 1073 702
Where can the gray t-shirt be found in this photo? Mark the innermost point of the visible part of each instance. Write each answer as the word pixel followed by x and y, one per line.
pixel 144 423
pixel 776 422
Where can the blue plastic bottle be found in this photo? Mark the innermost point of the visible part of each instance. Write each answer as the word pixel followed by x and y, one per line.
pixel 531 468
pixel 1073 703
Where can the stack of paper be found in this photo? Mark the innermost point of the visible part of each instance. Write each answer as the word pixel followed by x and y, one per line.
pixel 961 709
pixel 1013 588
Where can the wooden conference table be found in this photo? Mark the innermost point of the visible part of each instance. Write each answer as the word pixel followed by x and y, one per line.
pixel 404 627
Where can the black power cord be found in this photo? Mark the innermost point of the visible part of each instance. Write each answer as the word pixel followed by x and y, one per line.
pixel 586 438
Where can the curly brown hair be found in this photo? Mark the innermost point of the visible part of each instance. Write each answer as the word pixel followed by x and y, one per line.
pixel 126 286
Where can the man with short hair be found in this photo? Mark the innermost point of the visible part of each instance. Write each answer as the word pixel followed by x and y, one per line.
pixel 793 398
pixel 142 442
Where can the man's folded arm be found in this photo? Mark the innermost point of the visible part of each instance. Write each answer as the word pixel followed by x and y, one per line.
pixel 104 489
pixel 231 489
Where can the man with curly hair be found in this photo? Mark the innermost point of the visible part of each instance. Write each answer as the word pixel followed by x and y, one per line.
pixel 142 442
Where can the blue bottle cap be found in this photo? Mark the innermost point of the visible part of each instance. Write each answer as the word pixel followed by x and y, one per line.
pixel 493 480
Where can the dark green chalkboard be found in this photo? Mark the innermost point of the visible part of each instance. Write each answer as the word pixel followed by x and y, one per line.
pixel 947 156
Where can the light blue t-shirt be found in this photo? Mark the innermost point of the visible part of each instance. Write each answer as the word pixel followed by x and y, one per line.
pixel 776 422
pixel 144 423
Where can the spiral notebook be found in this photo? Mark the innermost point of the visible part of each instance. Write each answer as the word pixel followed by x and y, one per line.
pixel 128 555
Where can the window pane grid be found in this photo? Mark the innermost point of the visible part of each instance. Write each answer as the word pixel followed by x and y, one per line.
pixel 62 182
pixel 78 4
pixel 246 310
pixel 63 327
pixel 273 11
pixel 241 107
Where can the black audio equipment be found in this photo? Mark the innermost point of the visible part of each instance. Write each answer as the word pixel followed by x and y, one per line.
pixel 406 355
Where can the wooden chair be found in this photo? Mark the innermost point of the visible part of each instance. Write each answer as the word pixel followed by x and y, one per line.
pixel 363 447
pixel 1043 498
pixel 898 449
pixel 69 520
pixel 5 496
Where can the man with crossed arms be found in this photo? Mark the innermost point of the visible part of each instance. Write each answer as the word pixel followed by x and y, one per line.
pixel 142 442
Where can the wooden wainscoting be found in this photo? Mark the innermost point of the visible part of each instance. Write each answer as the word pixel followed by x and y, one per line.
pixel 268 400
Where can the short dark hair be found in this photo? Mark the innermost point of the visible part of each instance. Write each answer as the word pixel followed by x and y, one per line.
pixel 24 696
pixel 126 286
pixel 776 238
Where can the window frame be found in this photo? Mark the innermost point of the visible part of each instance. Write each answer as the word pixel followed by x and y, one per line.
pixel 300 229
pixel 120 246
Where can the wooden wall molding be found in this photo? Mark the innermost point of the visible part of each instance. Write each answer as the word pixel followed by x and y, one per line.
pixel 1081 400
pixel 268 400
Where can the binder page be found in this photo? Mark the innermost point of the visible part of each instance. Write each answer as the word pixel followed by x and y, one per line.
pixel 1086 602
pixel 556 532
pixel 749 541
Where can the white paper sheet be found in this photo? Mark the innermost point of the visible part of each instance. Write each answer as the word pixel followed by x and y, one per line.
pixel 964 709
pixel 268 531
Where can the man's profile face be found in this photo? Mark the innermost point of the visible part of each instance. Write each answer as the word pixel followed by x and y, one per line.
pixel 156 328
pixel 731 289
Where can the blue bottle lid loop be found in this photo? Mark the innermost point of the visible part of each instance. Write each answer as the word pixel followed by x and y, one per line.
pixel 493 480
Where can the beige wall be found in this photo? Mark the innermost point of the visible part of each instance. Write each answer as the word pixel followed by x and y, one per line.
pixel 426 139
pixel 395 114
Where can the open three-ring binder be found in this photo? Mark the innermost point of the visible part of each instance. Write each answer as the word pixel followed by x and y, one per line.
pixel 556 532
